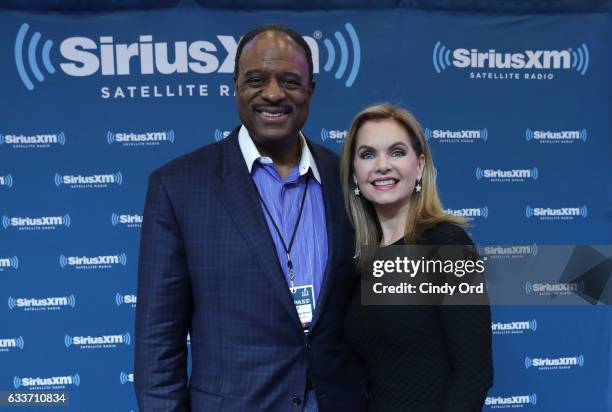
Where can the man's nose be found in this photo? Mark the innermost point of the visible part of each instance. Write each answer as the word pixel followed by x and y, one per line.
pixel 272 91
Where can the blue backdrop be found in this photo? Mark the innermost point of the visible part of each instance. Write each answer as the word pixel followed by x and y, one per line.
pixel 516 109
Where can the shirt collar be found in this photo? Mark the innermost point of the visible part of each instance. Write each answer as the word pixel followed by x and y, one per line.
pixel 251 154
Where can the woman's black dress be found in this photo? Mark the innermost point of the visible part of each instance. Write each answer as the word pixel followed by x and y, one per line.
pixel 424 358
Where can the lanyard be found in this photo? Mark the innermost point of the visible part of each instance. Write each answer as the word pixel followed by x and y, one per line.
pixel 297 223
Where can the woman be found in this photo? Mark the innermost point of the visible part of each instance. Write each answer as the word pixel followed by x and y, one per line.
pixel 418 358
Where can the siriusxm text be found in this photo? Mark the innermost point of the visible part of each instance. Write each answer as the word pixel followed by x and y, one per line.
pixel 529 59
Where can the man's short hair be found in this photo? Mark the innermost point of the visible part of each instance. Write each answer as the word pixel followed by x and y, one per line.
pixel 251 34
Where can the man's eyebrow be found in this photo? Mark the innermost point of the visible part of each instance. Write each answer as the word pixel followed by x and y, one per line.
pixel 253 71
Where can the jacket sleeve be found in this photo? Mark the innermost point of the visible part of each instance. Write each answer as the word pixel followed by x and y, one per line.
pixel 163 309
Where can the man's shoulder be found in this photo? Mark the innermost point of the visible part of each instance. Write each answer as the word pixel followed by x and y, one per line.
pixel 201 161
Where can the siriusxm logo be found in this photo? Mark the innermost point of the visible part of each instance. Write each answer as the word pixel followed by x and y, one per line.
pixel 221 134
pixel 35 223
pixel 126 378
pixel 514 401
pixel 38 304
pixel 563 213
pixel 456 136
pixel 469 213
pixel 553 289
pixel 11 343
pixel 39 141
pixel 127 220
pixel 509 175
pixel 98 342
pixel 53 382
pixel 93 262
pixel 337 136
pixel 125 299
pixel 514 328
pixel 6 180
pixel 89 181
pixel 83 56
pixel 10 262
pixel 554 363
pixel 462 58
pixel 508 252
pixel 562 136
pixel 140 139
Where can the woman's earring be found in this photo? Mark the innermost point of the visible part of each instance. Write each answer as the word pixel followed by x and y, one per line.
pixel 356 189
pixel 417 187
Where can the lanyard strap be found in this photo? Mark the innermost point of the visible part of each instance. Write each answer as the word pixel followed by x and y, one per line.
pixel 297 223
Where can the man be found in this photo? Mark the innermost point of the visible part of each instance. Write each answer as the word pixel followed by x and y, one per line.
pixel 245 245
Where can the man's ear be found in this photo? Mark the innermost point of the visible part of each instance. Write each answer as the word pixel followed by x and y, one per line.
pixel 311 90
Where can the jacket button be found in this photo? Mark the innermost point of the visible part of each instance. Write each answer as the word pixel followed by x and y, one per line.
pixel 296 400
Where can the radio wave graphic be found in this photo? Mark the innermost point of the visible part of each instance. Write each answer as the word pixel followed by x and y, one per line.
pixel 32 46
pixel 343 47
pixel 19 342
pixel 115 219
pixel 58 180
pixel 583 135
pixel 528 135
pixel 170 134
pixel 580 59
pixel 123 259
pixel 66 221
pixel 6 180
pixel 534 173
pixel 63 261
pixel 16 382
pixel 72 301
pixel 124 378
pixel 14 262
pixel 61 137
pixel 6 222
pixel 118 177
pixel 219 135
pixel 127 339
pixel 67 340
pixel 441 57
pixel 484 134
pixel 324 134
pixel 11 302
pixel 119 299
pixel 479 173
pixel 484 212
pixel 533 325
pixel 534 249
pixel 528 212
pixel 528 288
pixel 533 399
pixel 528 363
pixel 76 379
pixel 580 360
pixel 110 137
pixel 428 135
pixel 584 211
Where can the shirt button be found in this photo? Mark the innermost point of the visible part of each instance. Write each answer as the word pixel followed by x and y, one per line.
pixel 296 400
pixel 308 345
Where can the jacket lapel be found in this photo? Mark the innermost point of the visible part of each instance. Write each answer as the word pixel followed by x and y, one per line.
pixel 237 193
pixel 334 210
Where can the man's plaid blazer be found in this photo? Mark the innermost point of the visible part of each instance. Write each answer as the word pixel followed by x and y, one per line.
pixel 208 267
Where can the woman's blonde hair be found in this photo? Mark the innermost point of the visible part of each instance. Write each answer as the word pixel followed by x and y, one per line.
pixel 426 209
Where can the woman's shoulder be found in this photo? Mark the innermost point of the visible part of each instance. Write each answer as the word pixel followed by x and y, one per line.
pixel 445 233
